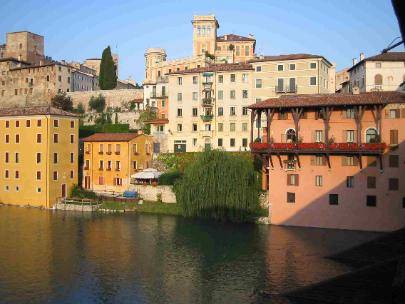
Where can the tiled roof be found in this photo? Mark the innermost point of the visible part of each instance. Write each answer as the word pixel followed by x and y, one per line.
pixel 232 37
pixel 36 110
pixel 111 137
pixel 158 121
pixel 217 68
pixel 287 57
pixel 389 56
pixel 369 98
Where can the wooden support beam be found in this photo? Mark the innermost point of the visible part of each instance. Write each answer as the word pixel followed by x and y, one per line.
pixel 279 159
pixel 269 114
pixel 296 113
pixel 358 116
pixel 259 122
pixel 326 114
pixel 360 161
pixel 328 160
pixel 377 115
pixel 298 160
pixel 271 161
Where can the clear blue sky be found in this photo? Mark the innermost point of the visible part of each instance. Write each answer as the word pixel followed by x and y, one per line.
pixel 75 30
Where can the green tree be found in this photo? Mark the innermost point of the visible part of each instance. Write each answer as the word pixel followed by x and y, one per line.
pixel 221 186
pixel 97 103
pixel 80 108
pixel 63 102
pixel 145 116
pixel 108 73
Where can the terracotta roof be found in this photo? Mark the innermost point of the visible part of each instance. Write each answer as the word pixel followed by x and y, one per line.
pixel 232 37
pixel 217 68
pixel 288 57
pixel 111 137
pixel 36 110
pixel 369 98
pixel 389 56
pixel 158 121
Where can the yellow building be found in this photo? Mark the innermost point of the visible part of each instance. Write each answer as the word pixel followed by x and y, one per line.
pixel 111 158
pixel 38 155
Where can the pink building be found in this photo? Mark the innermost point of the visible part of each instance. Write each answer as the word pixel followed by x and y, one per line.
pixel 333 161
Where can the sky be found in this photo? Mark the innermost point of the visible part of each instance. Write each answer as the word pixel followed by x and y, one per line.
pixel 76 30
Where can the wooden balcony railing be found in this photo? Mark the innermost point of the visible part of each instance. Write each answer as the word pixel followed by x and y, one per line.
pixel 316 148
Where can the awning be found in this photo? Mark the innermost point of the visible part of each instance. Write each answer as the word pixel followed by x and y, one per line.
pixel 149 173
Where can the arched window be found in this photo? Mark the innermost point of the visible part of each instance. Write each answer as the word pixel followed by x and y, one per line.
pixel 378 80
pixel 371 135
pixel 290 135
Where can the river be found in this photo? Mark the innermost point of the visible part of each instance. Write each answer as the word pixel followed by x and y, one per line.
pixel 61 257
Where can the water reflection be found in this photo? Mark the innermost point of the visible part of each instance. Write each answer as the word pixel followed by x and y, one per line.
pixel 51 257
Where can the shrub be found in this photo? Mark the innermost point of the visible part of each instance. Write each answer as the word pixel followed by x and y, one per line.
pixel 169 178
pixel 79 192
pixel 219 185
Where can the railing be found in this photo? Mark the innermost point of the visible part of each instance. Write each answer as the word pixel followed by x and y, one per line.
pixel 158 95
pixel 286 89
pixel 319 147
pixel 207 102
pixel 206 118
pixel 117 152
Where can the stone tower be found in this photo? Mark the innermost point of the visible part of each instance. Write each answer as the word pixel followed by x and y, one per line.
pixel 204 34
pixel 25 46
pixel 153 59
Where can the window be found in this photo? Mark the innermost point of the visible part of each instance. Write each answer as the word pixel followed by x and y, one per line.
pixel 232 94
pixel 220 142
pixel 39 123
pixel 195 79
pixel 72 124
pixel 179 112
pixel 195 95
pixel 350 113
pixel 194 127
pixel 244 78
pixel 38 175
pixel 232 111
pixel 117 165
pixel 333 199
pixel 232 142
pixel 394 113
pixel 292 66
pixel 393 161
pixel 6 174
pixel 55 158
pixel 232 127
pixel 350 136
pixel 117 149
pixel 393 184
pixel 290 197
pixel 101 165
pixel 350 181
pixel 117 181
pixel 72 138
pixel 38 158
pixel 194 142
pixel 17 123
pixel 312 80
pixel 55 175
pixel 221 78
pixel 17 158
pixel 134 165
pixel 244 111
pixel 247 50
pixel 244 93
pixel 195 112
pixel 6 157
pixel 371 135
pixel 28 123
pixel 244 127
pixel 319 136
pixel 378 80
pixel 371 201
pixel 207 127
pixel 55 138
pixel 220 111
pixel 233 77
pixel 393 137
pixel 312 65
pixel 56 123
pixel 371 182
pixel 7 124
pixel 258 83
pixel 179 97
pixel 280 67
pixel 7 139
pixel 290 135
pixel 292 179
pixel 72 158
pixel 349 161
pixel 179 80
pixel 17 174
pixel 244 142
pixel 318 180
pixel 220 95
pixel 220 127
pixel 179 127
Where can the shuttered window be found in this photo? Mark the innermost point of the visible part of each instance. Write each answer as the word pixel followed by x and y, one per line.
pixel 393 137
pixel 290 197
pixel 371 201
pixel 371 182
pixel 349 161
pixel 394 161
pixel 292 179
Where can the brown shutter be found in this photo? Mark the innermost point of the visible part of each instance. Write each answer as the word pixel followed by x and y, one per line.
pixel 297 181
pixel 403 113
pixel 387 114
pixel 288 180
pixel 393 137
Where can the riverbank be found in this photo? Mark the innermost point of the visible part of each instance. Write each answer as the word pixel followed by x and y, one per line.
pixel 146 207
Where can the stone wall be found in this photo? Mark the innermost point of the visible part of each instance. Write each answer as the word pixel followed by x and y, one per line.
pixel 150 193
pixel 113 98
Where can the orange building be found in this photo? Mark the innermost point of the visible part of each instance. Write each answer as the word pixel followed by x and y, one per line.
pixel 333 161
pixel 111 158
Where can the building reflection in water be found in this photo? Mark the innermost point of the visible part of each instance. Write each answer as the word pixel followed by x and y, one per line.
pixel 59 257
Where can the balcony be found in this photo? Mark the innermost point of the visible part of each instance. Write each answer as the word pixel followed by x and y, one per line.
pixel 100 152
pixel 207 118
pixel 319 148
pixel 117 153
pixel 108 169
pixel 87 152
pixel 207 86
pixel 286 89
pixel 207 102
pixel 109 153
pixel 158 95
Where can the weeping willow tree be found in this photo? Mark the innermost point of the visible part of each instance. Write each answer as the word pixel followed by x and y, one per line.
pixel 219 185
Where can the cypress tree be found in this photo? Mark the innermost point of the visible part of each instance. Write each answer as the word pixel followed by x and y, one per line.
pixel 108 76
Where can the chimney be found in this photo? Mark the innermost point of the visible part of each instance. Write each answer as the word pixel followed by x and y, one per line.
pixel 361 56
pixel 354 61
